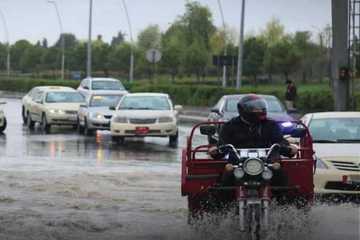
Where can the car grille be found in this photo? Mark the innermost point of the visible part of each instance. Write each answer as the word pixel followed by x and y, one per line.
pixel 346 166
pixel 71 112
pixel 142 120
pixel 342 186
pixel 107 116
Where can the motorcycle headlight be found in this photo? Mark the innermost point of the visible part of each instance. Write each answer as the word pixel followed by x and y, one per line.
pixel 253 166
pixel 239 173
pixel 120 119
pixel 165 119
pixel 267 174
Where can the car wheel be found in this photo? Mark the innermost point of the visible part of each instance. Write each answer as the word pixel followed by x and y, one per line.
pixel 87 131
pixel 46 127
pixel 29 122
pixel 80 128
pixel 4 126
pixel 23 115
pixel 173 140
pixel 118 139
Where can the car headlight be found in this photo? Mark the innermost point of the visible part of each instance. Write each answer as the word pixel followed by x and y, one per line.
pixel 120 119
pixel 253 166
pixel 267 174
pixel 97 115
pixel 57 111
pixel 239 173
pixel 320 164
pixel 165 119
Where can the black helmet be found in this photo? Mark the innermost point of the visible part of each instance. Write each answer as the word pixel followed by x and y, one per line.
pixel 252 108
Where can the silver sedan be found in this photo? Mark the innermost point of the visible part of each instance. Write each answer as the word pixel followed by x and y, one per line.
pixel 96 113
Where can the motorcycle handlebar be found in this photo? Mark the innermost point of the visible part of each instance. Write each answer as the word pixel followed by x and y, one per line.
pixel 230 148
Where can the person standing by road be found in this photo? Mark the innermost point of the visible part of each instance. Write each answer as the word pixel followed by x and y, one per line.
pixel 290 95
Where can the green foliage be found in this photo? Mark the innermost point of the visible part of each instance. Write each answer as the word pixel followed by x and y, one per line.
pixel 198 23
pixel 149 38
pixel 253 56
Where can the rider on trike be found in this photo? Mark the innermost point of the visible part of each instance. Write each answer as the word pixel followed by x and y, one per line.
pixel 252 165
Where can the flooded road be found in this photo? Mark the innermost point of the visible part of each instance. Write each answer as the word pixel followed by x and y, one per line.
pixel 67 186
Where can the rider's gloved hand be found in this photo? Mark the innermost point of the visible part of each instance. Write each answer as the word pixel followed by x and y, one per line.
pixel 213 152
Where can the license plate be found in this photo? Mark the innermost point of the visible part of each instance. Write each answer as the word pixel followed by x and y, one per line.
pixel 141 130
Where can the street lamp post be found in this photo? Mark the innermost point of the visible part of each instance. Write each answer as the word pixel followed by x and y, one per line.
pixel 62 39
pixel 225 43
pixel 88 69
pixel 7 43
pixel 241 46
pixel 131 71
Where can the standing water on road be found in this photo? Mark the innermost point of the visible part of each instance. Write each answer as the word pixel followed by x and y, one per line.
pixel 67 186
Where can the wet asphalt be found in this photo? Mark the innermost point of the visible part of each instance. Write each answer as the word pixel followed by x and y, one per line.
pixel 67 186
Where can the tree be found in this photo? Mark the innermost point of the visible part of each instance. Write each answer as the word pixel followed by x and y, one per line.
pixel 173 48
pixel 44 43
pixel 119 57
pixel 70 40
pixel 273 33
pixel 119 39
pixel 3 56
pixel 306 52
pixel 17 53
pixel 150 37
pixel 196 58
pixel 198 23
pixel 254 52
pixel 282 57
pixel 100 52
pixel 31 59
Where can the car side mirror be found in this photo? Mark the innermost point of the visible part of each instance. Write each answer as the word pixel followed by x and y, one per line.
pixel 112 108
pixel 216 110
pixel 86 87
pixel 178 108
pixel 208 130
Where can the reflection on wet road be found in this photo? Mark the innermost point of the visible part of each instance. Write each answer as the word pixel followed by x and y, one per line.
pixel 67 186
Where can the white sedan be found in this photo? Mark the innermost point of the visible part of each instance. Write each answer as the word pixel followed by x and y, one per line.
pixel 336 137
pixel 54 105
pixel 145 115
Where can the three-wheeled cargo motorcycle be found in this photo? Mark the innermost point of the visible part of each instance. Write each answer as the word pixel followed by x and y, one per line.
pixel 252 191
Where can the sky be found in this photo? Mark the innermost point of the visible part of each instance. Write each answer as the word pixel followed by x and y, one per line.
pixel 36 19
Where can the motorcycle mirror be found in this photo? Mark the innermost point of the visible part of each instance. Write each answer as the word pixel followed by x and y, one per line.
pixel 207 130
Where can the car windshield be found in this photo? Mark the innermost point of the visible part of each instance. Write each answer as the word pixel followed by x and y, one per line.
pixel 105 100
pixel 106 85
pixel 335 130
pixel 145 103
pixel 272 105
pixel 64 97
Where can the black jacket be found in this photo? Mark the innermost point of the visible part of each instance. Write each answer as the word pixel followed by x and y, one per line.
pixel 263 135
